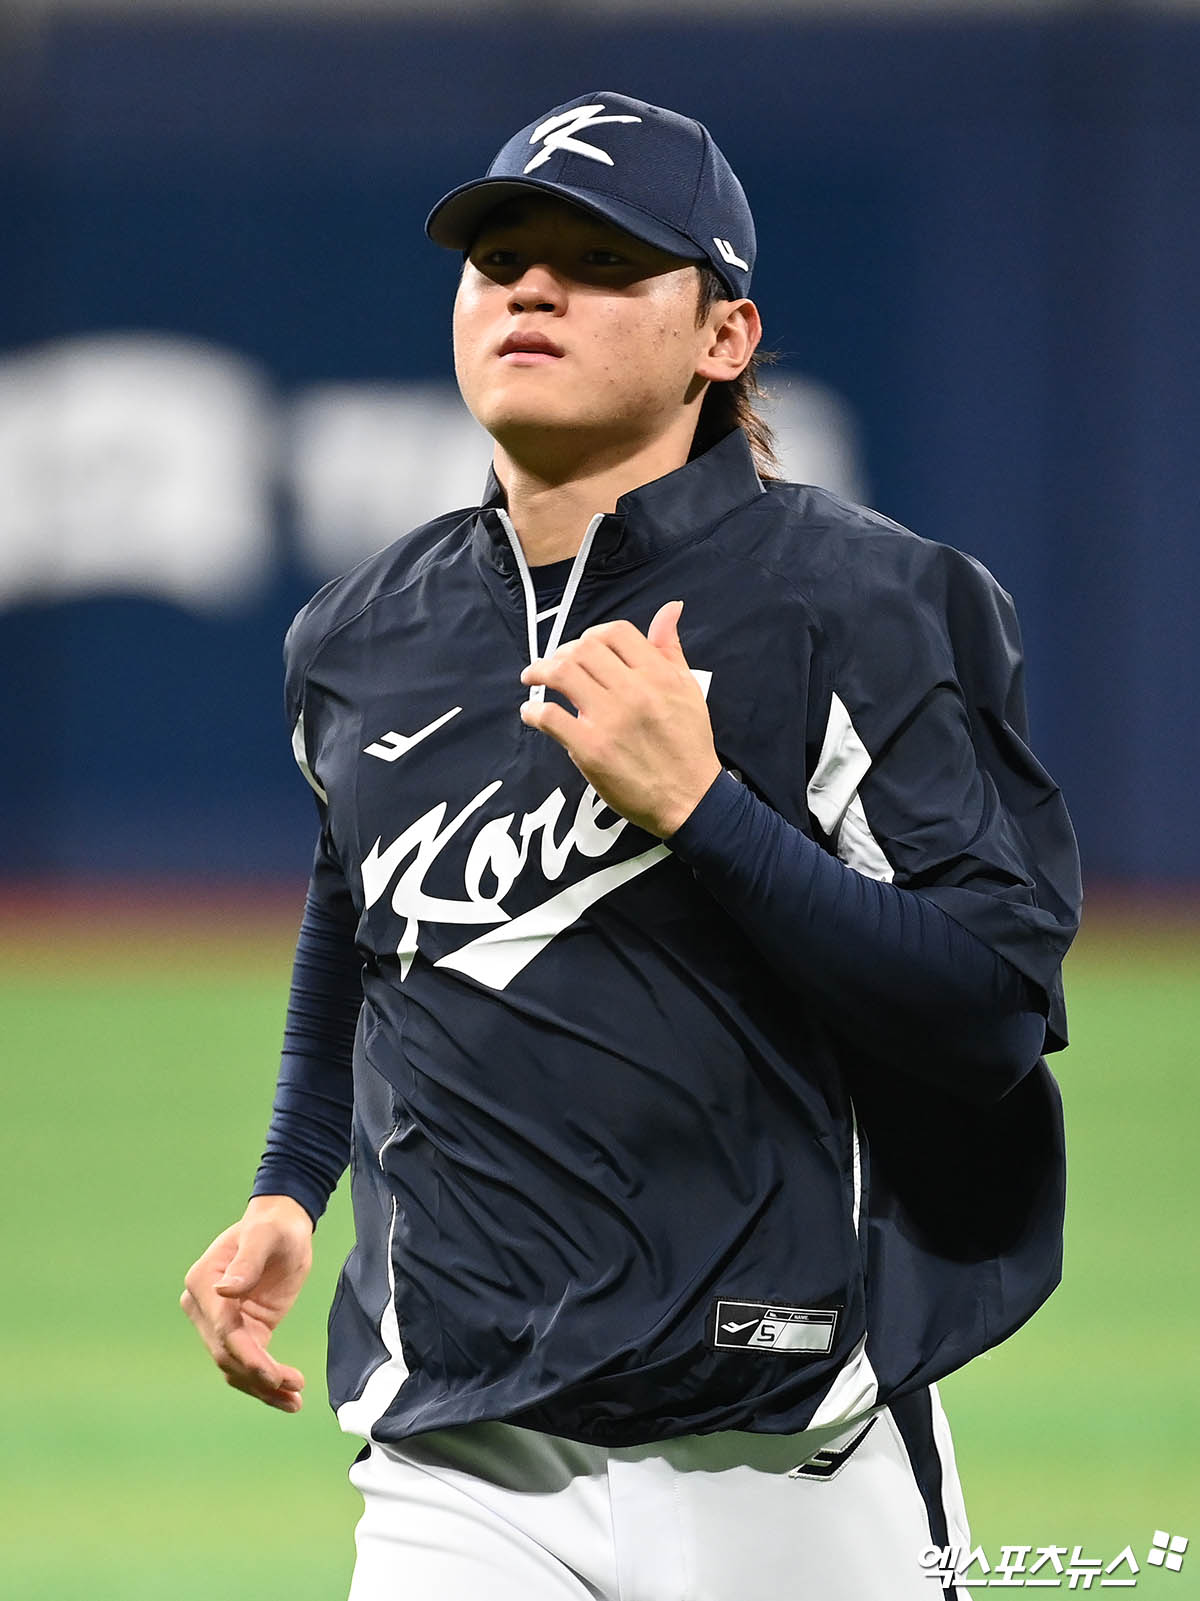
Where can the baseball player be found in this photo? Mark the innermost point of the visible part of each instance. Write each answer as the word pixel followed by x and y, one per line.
pixel 682 945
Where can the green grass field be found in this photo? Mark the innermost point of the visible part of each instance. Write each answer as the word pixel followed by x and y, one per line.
pixel 139 1066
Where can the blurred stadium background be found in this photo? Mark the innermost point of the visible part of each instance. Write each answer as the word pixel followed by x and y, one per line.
pixel 224 376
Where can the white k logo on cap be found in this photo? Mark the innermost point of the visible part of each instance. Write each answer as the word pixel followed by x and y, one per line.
pixel 558 133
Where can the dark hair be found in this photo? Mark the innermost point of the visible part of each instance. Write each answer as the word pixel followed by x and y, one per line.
pixel 731 404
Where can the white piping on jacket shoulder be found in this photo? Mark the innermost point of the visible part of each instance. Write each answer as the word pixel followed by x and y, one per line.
pixel 833 796
pixel 300 752
pixel 833 799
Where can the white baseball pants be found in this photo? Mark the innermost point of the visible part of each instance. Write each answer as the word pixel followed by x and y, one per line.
pixel 493 1512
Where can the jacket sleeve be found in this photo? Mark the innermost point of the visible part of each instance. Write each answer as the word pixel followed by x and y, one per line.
pixel 886 969
pixel 925 777
pixel 308 1140
pixel 930 930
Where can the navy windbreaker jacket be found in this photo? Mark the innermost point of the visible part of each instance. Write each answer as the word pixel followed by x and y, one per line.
pixel 630 1158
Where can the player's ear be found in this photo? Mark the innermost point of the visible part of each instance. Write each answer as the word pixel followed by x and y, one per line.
pixel 730 336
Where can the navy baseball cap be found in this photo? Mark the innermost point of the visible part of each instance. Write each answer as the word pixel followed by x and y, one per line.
pixel 652 172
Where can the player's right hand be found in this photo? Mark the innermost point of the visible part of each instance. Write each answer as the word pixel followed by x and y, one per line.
pixel 240 1289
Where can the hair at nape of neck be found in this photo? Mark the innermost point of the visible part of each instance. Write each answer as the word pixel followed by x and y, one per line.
pixel 734 404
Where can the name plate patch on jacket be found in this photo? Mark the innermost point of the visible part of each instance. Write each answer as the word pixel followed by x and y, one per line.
pixel 768 1326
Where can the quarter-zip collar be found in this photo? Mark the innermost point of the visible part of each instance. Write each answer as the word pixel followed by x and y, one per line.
pixel 669 512
pixel 538 692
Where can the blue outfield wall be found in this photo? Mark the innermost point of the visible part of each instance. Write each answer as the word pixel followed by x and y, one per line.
pixel 984 236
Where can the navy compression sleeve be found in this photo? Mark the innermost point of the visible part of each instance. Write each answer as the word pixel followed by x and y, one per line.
pixel 308 1141
pixel 887 967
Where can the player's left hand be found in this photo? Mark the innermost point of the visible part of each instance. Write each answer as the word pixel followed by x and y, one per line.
pixel 641 733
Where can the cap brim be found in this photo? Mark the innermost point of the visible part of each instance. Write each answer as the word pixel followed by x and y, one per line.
pixel 456 218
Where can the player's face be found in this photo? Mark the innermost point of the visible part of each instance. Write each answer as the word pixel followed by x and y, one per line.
pixel 565 326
